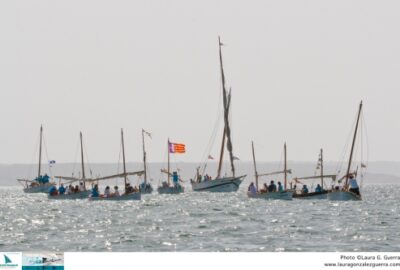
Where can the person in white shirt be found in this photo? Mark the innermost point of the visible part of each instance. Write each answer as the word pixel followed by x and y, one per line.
pixel 353 186
pixel 107 192
pixel 252 189
pixel 81 187
pixel 116 192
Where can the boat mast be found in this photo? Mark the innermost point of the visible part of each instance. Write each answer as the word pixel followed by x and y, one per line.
pixel 221 156
pixel 144 159
pixel 226 111
pixel 255 166
pixel 352 145
pixel 123 156
pixel 321 160
pixel 285 168
pixel 82 161
pixel 168 169
pixel 40 150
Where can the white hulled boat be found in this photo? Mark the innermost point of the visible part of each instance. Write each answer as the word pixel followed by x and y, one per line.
pixel 229 183
pixel 41 183
pixel 344 193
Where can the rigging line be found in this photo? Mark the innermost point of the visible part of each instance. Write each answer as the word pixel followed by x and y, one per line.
pixel 47 156
pixel 87 160
pixel 339 166
pixel 32 168
pixel 75 157
pixel 211 142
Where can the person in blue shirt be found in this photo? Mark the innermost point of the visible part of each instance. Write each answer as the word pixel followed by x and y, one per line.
pixel 95 191
pixel 61 189
pixel 318 189
pixel 304 190
pixel 175 179
pixel 45 179
pixel 280 187
pixel 53 191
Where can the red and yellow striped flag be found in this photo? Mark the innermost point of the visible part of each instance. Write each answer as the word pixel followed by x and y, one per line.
pixel 177 148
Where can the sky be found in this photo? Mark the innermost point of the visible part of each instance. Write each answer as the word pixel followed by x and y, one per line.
pixel 298 70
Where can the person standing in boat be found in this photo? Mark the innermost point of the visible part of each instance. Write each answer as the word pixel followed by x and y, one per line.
pixel 353 185
pixel 175 179
pixel 318 189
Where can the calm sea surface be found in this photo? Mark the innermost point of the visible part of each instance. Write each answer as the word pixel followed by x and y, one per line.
pixel 200 222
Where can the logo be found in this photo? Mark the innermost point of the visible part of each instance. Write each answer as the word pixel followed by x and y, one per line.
pixel 8 260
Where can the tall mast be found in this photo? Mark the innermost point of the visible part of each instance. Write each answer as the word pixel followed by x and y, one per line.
pixel 221 156
pixel 352 145
pixel 321 163
pixel 226 111
pixel 40 150
pixel 123 156
pixel 144 158
pixel 285 168
pixel 168 169
pixel 254 162
pixel 82 160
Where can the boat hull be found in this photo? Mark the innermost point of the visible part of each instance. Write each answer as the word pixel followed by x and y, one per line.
pixel 38 189
pixel 312 195
pixel 135 196
pixel 72 196
pixel 226 184
pixel 343 196
pixel 170 190
pixel 284 195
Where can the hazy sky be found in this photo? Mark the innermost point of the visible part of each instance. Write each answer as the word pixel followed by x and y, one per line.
pixel 298 70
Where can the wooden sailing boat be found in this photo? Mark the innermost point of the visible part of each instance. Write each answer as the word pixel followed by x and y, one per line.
pixel 221 184
pixel 286 194
pixel 145 187
pixel 323 193
pixel 345 194
pixel 166 187
pixel 129 192
pixel 80 194
pixel 41 183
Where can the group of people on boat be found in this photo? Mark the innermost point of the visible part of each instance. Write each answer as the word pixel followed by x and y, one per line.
pixel 175 181
pixel 40 180
pixel 272 187
pixel 115 193
pixel 70 189
pixel 304 189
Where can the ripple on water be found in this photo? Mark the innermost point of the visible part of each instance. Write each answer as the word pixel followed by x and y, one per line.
pixel 200 222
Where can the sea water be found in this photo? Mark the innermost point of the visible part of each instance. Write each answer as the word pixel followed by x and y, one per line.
pixel 200 222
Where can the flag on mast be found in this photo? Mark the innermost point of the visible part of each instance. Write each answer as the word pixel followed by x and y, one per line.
pixel 177 148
